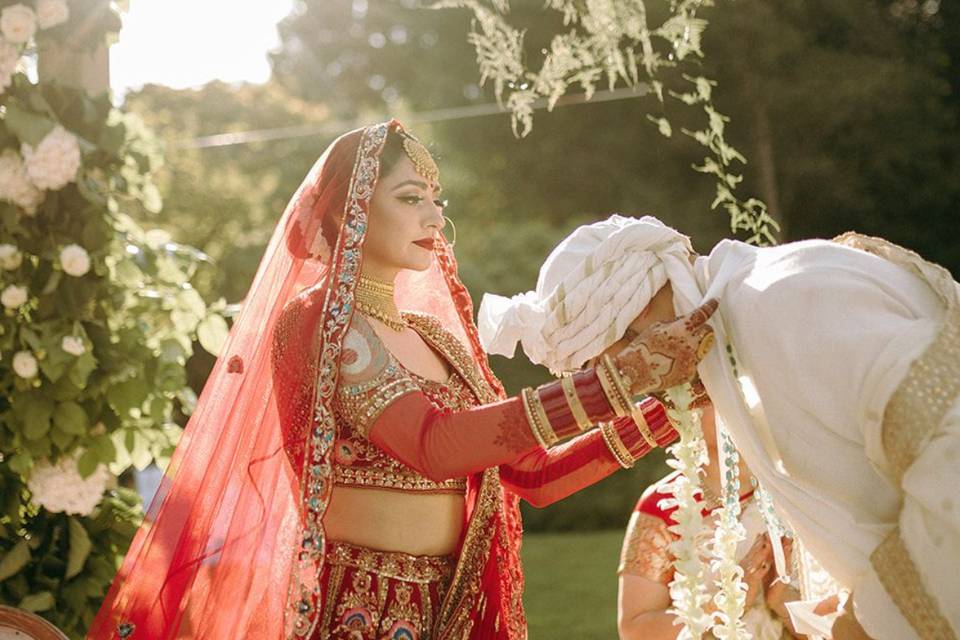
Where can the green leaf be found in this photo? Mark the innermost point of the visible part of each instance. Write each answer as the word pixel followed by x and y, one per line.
pixel 184 321
pixel 36 413
pixel 140 451
pixel 122 454
pixel 61 439
pixel 172 352
pixel 70 417
pixel 128 395
pixel 81 370
pixel 36 602
pixel 105 448
pixel 30 127
pixel 14 560
pixel 212 333
pixel 21 463
pixel 79 548
pixel 190 300
pixel 127 273
pixel 87 463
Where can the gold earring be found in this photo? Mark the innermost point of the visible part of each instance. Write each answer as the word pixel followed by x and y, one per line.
pixel 454 227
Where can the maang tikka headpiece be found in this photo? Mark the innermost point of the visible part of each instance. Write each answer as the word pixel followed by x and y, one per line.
pixel 424 163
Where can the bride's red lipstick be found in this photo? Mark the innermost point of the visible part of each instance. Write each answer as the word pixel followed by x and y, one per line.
pixel 426 243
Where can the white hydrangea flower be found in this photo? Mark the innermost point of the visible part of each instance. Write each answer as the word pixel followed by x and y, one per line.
pixel 14 296
pixel 9 60
pixel 55 161
pixel 18 23
pixel 25 364
pixel 60 488
pixel 15 186
pixel 10 257
pixel 51 13
pixel 75 260
pixel 73 345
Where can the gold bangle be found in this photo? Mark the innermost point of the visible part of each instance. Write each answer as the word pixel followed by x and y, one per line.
pixel 644 428
pixel 615 445
pixel 531 420
pixel 618 383
pixel 573 401
pixel 620 408
pixel 540 415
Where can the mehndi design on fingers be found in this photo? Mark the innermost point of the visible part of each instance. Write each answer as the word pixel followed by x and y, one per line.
pixel 667 354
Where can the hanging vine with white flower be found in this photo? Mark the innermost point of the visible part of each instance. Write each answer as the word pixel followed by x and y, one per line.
pixel 614 42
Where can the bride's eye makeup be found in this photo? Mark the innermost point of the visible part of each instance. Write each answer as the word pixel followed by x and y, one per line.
pixel 411 199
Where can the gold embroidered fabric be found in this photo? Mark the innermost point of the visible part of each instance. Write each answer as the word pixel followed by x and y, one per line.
pixel 646 549
pixel 932 383
pixel 900 578
pixel 914 411
pixel 374 594
pixel 391 564
pixel 438 337
pixel 361 400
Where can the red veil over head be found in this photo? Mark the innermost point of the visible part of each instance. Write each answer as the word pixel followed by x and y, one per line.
pixel 232 544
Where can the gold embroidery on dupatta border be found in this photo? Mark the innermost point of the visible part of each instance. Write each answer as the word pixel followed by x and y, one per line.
pixel 453 620
pixel 923 398
pixel 304 589
pixel 932 383
pixel 899 576
pixel 334 581
pixel 914 411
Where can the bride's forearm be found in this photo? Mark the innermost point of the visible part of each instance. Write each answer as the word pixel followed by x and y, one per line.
pixel 441 444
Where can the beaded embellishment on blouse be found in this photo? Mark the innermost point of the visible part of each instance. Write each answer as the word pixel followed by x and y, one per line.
pixel 359 462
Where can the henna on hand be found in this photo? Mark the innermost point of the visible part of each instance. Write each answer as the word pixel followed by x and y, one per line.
pixel 667 353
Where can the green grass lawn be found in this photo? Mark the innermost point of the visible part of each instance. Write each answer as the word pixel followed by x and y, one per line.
pixel 571 584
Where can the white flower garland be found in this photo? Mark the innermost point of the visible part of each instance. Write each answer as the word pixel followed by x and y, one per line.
pixel 731 595
pixel 688 589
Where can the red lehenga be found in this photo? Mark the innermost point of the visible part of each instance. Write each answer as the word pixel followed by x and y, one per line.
pixel 303 398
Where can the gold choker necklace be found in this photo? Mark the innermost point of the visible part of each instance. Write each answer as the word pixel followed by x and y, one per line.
pixel 375 299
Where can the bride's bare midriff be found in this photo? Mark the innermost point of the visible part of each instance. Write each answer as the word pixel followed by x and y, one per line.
pixel 427 524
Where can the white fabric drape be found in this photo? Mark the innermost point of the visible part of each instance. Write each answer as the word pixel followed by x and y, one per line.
pixel 822 335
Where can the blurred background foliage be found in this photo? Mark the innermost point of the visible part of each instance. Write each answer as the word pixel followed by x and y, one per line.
pixel 847 113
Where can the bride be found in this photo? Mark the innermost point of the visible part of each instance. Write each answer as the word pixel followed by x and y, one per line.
pixel 353 471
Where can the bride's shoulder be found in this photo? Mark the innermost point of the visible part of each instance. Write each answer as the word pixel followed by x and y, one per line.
pixel 296 322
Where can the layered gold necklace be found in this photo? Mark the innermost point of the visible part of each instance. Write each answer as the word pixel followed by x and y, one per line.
pixel 375 299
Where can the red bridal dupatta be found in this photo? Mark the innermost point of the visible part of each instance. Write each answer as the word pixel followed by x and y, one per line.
pixel 233 543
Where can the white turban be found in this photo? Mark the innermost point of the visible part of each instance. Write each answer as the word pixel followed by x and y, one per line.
pixel 591 287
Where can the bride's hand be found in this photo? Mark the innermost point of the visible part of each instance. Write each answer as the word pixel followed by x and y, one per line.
pixel 756 566
pixel 667 353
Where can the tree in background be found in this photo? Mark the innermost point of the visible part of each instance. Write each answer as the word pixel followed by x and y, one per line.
pixel 99 316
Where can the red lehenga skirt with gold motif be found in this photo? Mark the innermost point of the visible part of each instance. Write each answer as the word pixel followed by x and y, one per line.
pixel 381 595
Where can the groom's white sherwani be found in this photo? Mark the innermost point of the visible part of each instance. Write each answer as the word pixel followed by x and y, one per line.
pixel 836 373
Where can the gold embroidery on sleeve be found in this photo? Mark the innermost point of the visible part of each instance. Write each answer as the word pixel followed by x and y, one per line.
pixel 646 549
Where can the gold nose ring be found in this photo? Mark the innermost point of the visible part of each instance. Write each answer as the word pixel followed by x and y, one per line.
pixel 452 226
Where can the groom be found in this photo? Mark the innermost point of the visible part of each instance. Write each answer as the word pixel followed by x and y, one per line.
pixel 837 374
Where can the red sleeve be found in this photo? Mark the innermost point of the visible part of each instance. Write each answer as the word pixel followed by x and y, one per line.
pixel 649 502
pixel 442 445
pixel 544 477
